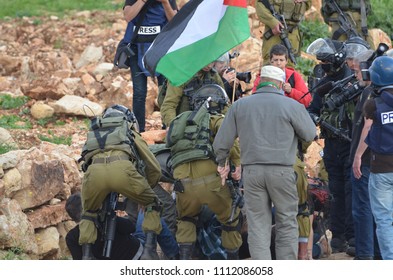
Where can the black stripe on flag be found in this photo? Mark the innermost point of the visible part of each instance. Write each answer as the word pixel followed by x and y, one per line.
pixel 169 34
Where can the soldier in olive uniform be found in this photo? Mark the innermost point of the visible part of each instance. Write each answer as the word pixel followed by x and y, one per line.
pixel 198 176
pixel 177 99
pixel 114 168
pixel 356 11
pixel 293 12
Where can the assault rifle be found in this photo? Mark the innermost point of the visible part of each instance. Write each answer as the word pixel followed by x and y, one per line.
pixel 107 219
pixel 340 133
pixel 346 25
pixel 236 194
pixel 284 31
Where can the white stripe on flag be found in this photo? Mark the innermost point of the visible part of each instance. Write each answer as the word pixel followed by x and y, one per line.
pixel 197 30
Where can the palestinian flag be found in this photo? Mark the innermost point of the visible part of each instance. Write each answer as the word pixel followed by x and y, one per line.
pixel 197 35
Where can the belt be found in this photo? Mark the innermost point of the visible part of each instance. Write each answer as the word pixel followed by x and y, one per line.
pixel 199 181
pixel 110 159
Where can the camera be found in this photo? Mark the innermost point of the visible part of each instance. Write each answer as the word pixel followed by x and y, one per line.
pixel 340 97
pixel 242 76
pixel 381 49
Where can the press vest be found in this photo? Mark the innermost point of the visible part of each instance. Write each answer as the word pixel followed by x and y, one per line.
pixel 379 139
pixel 151 26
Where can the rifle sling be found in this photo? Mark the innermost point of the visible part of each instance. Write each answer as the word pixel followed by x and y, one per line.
pixel 363 18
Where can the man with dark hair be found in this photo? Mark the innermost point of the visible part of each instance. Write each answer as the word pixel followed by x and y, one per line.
pixel 294 86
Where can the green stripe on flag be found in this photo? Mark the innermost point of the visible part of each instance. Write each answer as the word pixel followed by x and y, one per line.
pixel 179 66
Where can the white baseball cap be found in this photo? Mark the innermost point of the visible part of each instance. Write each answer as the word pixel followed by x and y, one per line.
pixel 273 72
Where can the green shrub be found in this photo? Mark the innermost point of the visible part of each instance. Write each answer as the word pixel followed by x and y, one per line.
pixel 14 122
pixel 312 30
pixel 9 102
pixel 305 66
pixel 56 139
pixel 14 253
pixel 20 8
pixel 5 148
pixel 380 17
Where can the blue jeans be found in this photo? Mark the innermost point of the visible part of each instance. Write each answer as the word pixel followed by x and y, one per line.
pixel 139 85
pixel 165 239
pixel 362 216
pixel 381 199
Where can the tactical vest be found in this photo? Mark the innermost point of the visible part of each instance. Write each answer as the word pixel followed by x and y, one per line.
pixel 192 86
pixel 189 137
pixel 292 12
pixel 379 138
pixel 345 5
pixel 340 118
pixel 111 133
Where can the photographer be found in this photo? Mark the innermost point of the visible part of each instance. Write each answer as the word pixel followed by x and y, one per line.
pixel 360 157
pixel 230 77
pixel 379 140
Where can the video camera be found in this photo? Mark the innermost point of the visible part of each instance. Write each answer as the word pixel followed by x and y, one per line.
pixel 381 50
pixel 343 95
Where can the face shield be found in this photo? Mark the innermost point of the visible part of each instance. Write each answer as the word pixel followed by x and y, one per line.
pixel 322 49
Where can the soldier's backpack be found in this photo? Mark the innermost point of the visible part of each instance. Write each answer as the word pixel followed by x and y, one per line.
pixel 109 133
pixel 188 136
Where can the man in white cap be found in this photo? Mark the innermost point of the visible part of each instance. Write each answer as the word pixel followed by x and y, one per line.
pixel 268 125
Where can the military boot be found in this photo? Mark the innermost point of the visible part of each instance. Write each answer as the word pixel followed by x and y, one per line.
pixel 232 254
pixel 87 251
pixel 150 248
pixel 185 251
pixel 302 251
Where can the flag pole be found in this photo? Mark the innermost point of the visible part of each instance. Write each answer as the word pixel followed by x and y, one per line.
pixel 234 82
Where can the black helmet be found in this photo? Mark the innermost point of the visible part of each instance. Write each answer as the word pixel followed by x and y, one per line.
pixel 218 98
pixel 328 50
pixel 120 110
pixel 356 45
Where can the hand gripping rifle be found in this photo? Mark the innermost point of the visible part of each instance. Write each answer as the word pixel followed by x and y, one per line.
pixel 236 194
pixel 346 24
pixel 284 31
pixel 336 131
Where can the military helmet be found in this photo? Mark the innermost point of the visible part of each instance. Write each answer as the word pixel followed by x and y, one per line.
pixel 218 98
pixel 381 71
pixel 328 50
pixel 119 111
pixel 356 45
